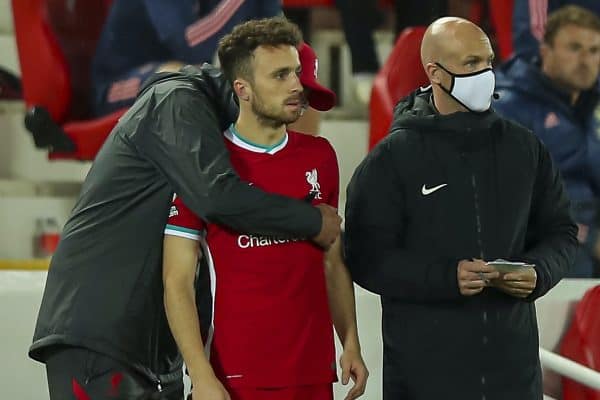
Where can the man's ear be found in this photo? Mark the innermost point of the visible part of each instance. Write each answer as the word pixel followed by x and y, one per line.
pixel 434 73
pixel 242 89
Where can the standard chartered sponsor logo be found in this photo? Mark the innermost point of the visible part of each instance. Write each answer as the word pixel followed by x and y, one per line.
pixel 249 241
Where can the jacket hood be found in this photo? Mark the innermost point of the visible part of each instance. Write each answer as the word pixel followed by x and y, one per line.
pixel 416 112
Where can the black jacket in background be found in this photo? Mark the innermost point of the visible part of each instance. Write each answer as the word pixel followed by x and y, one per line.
pixel 503 199
pixel 104 287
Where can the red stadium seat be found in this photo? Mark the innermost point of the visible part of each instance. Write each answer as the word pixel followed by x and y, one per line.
pixel 400 75
pixel 581 343
pixel 55 41
pixel 499 14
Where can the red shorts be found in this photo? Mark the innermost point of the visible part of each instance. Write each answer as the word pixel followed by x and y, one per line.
pixel 310 392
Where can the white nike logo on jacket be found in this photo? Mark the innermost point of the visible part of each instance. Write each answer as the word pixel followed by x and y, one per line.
pixel 426 191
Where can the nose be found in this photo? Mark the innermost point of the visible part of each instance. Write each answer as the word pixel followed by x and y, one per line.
pixel 296 84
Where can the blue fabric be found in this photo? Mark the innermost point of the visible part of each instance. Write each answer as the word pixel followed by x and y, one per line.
pixel 571 134
pixel 524 43
pixel 138 32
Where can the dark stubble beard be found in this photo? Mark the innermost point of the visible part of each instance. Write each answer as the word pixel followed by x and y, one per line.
pixel 268 117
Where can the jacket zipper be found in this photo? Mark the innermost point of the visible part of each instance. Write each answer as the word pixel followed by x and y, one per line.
pixel 477 216
pixel 154 342
pixel 481 256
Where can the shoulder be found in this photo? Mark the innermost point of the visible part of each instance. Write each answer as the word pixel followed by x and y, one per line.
pixel 400 143
pixel 520 137
pixel 315 144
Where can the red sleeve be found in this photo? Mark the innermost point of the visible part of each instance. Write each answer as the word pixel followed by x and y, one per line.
pixel 332 176
pixel 183 222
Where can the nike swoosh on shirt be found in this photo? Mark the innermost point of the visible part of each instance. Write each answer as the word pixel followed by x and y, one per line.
pixel 427 191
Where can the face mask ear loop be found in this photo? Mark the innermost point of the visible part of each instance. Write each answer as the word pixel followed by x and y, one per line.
pixel 452 81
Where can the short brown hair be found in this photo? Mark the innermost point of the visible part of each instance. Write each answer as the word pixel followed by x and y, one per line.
pixel 236 49
pixel 570 15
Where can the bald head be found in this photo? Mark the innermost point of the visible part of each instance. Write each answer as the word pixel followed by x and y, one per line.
pixel 449 39
pixel 454 46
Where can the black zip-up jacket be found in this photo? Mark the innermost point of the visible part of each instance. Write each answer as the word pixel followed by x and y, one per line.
pixel 104 287
pixel 437 190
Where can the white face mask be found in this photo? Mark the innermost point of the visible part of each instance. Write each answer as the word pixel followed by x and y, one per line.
pixel 474 91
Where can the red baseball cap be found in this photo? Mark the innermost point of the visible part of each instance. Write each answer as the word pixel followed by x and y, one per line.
pixel 319 97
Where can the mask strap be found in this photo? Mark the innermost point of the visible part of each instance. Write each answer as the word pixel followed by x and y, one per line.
pixel 452 81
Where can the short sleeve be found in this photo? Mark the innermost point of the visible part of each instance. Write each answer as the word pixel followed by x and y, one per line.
pixel 183 222
pixel 332 176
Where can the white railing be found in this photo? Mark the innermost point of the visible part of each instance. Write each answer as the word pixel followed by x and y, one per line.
pixel 570 369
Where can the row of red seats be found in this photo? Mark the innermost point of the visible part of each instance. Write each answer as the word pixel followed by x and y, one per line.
pixel 56 38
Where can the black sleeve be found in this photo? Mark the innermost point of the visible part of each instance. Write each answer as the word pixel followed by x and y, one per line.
pixel 374 240
pixel 551 232
pixel 182 138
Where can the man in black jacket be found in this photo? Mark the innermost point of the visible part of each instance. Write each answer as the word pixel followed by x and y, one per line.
pixel 453 186
pixel 102 308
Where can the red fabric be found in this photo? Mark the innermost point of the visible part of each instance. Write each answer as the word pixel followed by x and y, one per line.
pixel 88 136
pixel 501 12
pixel 272 326
pixel 44 70
pixel 78 391
pixel 581 343
pixel 315 392
pixel 400 75
pixel 115 382
pixel 48 75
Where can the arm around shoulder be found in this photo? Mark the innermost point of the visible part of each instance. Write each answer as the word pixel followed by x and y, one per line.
pixel 183 141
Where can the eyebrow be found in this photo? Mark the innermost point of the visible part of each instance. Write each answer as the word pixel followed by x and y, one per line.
pixel 476 58
pixel 286 70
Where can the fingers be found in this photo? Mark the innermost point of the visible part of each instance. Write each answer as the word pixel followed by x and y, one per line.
pixel 471 292
pixel 359 376
pixel 518 291
pixel 476 266
pixel 345 374
pixel 519 284
pixel 330 226
pixel 515 277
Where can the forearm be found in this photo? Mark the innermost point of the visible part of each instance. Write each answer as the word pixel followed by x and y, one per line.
pixel 182 315
pixel 380 265
pixel 340 292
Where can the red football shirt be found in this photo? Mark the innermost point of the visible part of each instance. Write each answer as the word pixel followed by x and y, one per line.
pixel 271 321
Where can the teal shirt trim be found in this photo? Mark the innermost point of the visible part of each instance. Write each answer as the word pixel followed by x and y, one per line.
pixel 182 229
pixel 237 134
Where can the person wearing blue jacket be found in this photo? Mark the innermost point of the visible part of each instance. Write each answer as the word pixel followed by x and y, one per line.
pixel 141 37
pixel 529 20
pixel 557 98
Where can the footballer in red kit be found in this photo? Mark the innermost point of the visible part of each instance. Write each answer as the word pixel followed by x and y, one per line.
pixel 275 299
pixel 272 325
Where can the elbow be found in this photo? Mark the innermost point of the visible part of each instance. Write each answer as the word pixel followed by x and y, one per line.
pixel 177 284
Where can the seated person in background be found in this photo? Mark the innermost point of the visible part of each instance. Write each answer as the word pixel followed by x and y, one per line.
pixel 557 98
pixel 146 36
pixel 529 20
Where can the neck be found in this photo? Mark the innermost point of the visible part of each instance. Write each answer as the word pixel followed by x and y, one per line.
pixel 573 94
pixel 255 131
pixel 445 104
pixel 574 97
